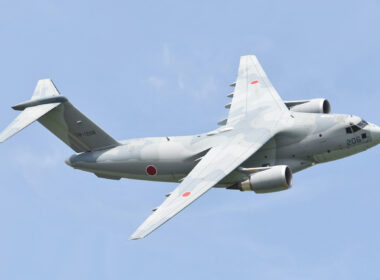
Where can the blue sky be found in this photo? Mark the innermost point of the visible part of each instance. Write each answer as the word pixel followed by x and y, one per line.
pixel 158 68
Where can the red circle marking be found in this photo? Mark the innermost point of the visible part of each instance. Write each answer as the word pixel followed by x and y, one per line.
pixel 151 170
pixel 254 82
pixel 186 194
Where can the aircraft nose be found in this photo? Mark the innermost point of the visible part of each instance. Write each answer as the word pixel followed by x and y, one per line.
pixel 375 133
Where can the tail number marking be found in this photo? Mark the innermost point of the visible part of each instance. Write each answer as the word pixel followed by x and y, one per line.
pixel 85 133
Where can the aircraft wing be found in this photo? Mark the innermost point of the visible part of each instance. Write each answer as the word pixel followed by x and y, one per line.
pixel 253 92
pixel 215 165
pixel 28 116
pixel 257 113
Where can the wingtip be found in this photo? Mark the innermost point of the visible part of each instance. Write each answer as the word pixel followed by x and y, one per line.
pixel 135 237
pixel 249 55
pixel 45 79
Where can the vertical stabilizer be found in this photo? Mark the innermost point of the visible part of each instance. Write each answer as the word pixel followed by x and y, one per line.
pixel 59 116
pixel 45 88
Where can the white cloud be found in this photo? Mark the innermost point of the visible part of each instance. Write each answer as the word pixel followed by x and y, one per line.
pixel 156 82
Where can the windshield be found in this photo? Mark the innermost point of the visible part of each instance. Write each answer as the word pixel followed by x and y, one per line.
pixel 362 124
pixel 354 128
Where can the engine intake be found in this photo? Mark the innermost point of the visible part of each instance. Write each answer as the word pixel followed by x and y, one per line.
pixel 274 179
pixel 319 106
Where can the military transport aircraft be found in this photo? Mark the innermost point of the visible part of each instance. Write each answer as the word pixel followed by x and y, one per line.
pixel 257 148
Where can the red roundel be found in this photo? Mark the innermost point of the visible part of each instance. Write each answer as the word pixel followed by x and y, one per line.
pixel 151 170
pixel 186 194
pixel 254 82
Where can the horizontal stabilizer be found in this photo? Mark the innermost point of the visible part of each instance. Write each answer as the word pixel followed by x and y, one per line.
pixel 45 98
pixel 25 118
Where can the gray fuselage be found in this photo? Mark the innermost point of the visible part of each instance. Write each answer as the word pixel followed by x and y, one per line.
pixel 307 140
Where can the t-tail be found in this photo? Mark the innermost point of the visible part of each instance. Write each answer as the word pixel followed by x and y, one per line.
pixel 57 114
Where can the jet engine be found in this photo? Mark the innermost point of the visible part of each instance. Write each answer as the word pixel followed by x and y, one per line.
pixel 273 179
pixel 319 106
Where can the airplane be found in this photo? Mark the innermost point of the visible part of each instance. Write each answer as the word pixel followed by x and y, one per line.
pixel 258 147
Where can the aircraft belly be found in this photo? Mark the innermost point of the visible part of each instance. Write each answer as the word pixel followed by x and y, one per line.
pixel 152 169
pixel 155 160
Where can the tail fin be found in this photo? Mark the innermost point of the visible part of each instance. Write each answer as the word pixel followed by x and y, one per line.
pixel 58 115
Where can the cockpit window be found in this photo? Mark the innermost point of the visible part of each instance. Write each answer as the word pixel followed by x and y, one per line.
pixel 362 124
pixel 355 128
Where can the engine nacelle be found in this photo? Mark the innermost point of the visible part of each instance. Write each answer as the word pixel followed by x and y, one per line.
pixel 273 179
pixel 319 106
